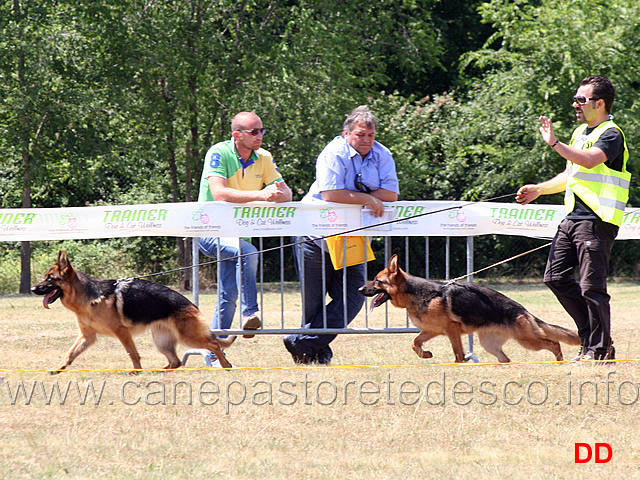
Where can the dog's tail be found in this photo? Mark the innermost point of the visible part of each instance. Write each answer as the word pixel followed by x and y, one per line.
pixel 558 333
pixel 224 342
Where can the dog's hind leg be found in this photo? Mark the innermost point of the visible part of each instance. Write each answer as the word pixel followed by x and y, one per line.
pixel 417 343
pixel 85 340
pixel 214 347
pixel 555 348
pixel 165 341
pixel 542 344
pixel 533 334
pixel 195 333
pixel 492 342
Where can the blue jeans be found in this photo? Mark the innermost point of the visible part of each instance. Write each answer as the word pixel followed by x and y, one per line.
pixel 314 292
pixel 229 279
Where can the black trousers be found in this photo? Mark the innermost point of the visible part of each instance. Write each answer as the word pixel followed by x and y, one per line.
pixel 583 247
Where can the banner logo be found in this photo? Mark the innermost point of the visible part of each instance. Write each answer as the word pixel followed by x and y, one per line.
pixel 198 216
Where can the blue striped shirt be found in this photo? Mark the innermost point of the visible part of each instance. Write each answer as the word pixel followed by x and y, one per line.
pixel 339 163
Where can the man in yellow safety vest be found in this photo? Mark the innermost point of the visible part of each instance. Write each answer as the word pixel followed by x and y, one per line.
pixel 596 186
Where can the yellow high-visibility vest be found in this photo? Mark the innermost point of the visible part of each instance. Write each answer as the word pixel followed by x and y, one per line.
pixel 603 190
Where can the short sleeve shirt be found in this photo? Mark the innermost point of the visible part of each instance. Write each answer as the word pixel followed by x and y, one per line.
pixel 611 142
pixel 339 163
pixel 222 160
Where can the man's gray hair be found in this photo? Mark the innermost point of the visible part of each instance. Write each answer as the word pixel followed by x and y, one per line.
pixel 361 114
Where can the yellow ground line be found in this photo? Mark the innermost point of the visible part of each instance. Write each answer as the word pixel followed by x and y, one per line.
pixel 309 367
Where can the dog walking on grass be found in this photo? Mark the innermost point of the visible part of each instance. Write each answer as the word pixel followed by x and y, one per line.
pixel 458 308
pixel 124 308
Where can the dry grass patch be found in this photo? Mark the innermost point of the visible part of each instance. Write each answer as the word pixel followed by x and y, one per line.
pixel 396 416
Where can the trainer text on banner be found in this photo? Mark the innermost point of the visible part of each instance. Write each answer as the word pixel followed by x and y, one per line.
pixel 425 218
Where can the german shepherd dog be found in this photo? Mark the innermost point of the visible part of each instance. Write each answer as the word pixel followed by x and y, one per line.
pixel 123 308
pixel 458 308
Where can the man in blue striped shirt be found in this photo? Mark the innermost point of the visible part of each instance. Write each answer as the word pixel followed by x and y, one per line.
pixel 355 169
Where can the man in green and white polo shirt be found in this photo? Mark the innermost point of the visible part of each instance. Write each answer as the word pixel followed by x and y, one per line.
pixel 239 171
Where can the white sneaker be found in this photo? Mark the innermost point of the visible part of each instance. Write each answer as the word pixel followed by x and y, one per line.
pixel 587 357
pixel 216 364
pixel 577 357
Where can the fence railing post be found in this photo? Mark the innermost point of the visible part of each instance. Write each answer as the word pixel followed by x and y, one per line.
pixel 470 355
pixel 195 270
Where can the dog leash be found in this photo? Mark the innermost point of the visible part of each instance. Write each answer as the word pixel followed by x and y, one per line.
pixel 323 237
pixel 498 263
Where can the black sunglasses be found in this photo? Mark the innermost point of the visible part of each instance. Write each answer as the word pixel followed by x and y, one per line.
pixel 255 131
pixel 361 187
pixel 582 100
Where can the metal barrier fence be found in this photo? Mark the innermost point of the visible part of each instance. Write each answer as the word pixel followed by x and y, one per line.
pixel 289 318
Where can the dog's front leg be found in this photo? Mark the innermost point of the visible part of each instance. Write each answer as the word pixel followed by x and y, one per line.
pixel 419 341
pixel 124 335
pixel 84 341
pixel 454 333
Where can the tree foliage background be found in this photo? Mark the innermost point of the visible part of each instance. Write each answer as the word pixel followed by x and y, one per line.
pixel 116 101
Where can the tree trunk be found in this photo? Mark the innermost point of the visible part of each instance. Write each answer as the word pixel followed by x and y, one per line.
pixel 25 247
pixel 25 267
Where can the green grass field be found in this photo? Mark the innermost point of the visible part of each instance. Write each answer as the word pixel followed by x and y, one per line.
pixel 378 412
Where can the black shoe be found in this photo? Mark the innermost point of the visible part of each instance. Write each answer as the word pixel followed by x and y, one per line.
pixel 298 357
pixel 324 357
pixel 611 354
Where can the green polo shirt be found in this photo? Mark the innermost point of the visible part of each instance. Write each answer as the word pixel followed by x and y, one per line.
pixel 222 160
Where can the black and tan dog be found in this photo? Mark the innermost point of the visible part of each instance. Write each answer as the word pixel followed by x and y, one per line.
pixel 123 308
pixel 458 308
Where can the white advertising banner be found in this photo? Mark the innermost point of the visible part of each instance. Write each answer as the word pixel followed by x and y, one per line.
pixel 265 219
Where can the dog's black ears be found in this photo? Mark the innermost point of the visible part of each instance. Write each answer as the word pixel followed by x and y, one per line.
pixel 393 264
